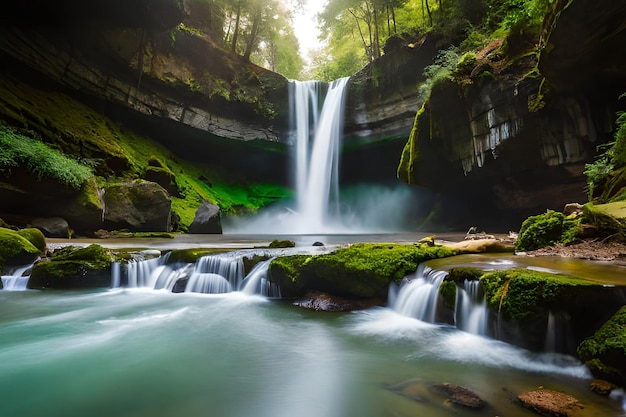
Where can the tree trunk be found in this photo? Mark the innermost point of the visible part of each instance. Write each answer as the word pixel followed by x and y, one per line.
pixel 233 47
pixel 430 17
pixel 252 38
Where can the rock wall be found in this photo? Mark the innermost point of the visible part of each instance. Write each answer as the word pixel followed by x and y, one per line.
pixel 512 144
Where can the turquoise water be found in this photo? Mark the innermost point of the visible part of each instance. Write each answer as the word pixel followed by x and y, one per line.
pixel 136 353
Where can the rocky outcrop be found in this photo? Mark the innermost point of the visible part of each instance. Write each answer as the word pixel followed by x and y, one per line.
pixel 207 220
pixel 491 144
pixel 52 226
pixel 137 206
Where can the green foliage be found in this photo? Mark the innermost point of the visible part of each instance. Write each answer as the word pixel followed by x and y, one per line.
pixel 521 293
pixel 15 249
pixel 17 150
pixel 442 69
pixel 465 64
pixel 546 229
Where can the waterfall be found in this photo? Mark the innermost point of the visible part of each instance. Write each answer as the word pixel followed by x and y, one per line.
pixel 212 274
pixel 471 308
pixel 17 280
pixel 318 135
pixel 257 282
pixel 418 297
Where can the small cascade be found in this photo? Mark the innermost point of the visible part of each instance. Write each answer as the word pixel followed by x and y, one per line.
pixel 257 283
pixel 213 274
pixel 471 312
pixel 116 275
pixel 17 280
pixel 418 297
pixel 557 333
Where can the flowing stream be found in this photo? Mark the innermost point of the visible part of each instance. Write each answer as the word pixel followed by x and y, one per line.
pixel 143 352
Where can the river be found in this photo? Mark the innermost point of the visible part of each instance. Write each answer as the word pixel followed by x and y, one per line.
pixel 142 352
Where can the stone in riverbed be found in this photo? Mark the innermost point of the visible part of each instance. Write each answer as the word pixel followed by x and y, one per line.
pixel 550 403
pixel 459 395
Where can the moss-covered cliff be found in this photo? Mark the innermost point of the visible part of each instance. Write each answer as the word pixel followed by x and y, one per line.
pixel 94 95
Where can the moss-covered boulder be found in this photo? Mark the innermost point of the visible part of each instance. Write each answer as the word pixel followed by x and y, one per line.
pixel 605 352
pixel 607 219
pixel 34 236
pixel 361 270
pixel 547 229
pixel 73 267
pixel 524 300
pixel 140 206
pixel 15 249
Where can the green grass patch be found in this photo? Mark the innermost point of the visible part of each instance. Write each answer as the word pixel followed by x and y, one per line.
pixel 39 159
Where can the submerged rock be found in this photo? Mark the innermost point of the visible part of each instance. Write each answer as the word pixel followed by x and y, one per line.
pixel 550 403
pixel 325 302
pixel 459 395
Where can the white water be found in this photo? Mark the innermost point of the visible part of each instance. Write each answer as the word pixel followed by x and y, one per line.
pixel 418 297
pixel 17 280
pixel 257 282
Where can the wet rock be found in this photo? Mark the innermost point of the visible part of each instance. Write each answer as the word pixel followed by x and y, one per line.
pixel 573 208
pixel 602 387
pixel 137 206
pixel 325 302
pixel 207 220
pixel 459 395
pixel 52 226
pixel 550 403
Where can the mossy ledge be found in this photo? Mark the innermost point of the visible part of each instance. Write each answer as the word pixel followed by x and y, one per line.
pixel 362 270
pixel 605 352
pixel 73 268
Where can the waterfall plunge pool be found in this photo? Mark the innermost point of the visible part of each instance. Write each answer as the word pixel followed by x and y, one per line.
pixel 144 352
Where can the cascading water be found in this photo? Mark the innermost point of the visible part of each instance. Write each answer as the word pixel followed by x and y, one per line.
pixel 17 280
pixel 418 297
pixel 257 282
pixel 317 150
pixel 471 308
pixel 213 274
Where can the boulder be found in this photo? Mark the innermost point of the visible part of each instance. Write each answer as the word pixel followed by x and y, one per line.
pixel 73 267
pixel 16 250
pixel 459 395
pixel 605 351
pixel 137 206
pixel 207 220
pixel 550 403
pixel 325 302
pixel 52 226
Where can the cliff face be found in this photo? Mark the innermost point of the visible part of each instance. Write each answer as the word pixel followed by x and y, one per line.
pixel 514 143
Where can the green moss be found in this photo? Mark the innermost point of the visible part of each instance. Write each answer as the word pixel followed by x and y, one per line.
pixel 360 270
pixel 461 273
pixel 605 351
pixel 282 244
pixel 447 289
pixel 546 229
pixel 609 218
pixel 409 152
pixel 15 249
pixel 34 236
pixel 188 256
pixel 72 267
pixel 520 293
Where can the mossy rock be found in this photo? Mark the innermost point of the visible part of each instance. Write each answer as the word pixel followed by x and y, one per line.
pixel 189 256
pixel 521 293
pixel 71 267
pixel 460 274
pixel 547 229
pixel 361 270
pixel 15 249
pixel 609 219
pixel 34 236
pixel 275 244
pixel 448 290
pixel 605 352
